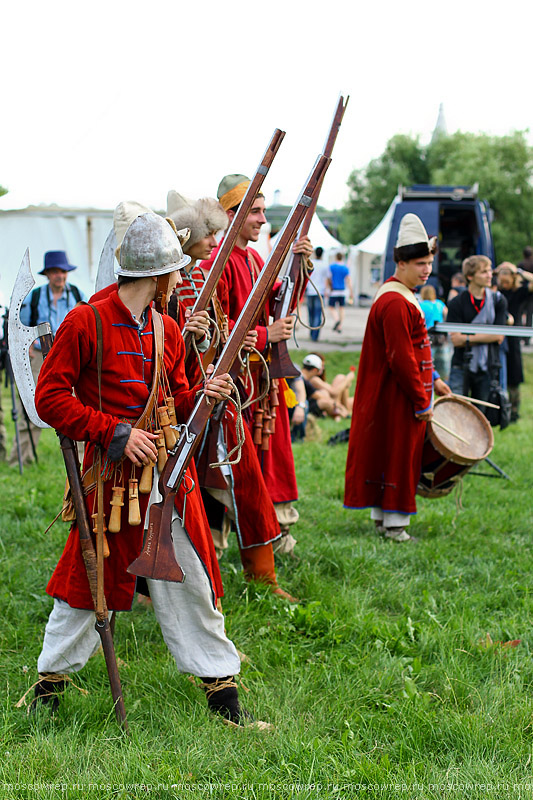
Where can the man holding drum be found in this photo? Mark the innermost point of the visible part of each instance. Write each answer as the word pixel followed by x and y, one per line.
pixel 394 393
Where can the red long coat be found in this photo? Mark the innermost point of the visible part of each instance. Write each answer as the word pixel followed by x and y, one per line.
pixel 126 380
pixel 255 517
pixel 277 463
pixel 395 380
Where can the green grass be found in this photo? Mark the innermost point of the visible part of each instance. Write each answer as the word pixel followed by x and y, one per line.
pixel 389 675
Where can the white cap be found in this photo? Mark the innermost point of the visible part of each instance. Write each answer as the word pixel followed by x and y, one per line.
pixel 312 361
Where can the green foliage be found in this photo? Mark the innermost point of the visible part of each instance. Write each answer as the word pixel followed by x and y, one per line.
pixel 502 165
pixel 393 672
pixel 373 188
pixel 3 191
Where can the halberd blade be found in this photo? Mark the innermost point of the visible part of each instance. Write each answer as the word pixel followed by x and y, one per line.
pixel 106 266
pixel 20 338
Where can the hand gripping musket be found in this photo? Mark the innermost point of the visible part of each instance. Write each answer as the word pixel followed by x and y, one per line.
pixel 157 559
pixel 226 248
pixel 20 338
pixel 287 298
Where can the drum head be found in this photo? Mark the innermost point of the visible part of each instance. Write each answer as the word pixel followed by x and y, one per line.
pixel 465 419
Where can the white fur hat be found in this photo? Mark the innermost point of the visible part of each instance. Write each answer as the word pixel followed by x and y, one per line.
pixel 203 217
pixel 123 216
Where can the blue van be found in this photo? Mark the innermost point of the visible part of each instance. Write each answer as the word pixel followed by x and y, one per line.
pixel 454 214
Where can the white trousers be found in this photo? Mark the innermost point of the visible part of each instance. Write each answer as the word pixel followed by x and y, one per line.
pixel 390 519
pixel 192 628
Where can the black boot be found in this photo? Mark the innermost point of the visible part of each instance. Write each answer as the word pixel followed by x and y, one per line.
pixel 223 698
pixel 48 688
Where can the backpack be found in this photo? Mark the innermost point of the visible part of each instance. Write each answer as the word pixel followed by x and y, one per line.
pixel 36 296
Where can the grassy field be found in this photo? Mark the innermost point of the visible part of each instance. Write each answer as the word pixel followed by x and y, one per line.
pixel 391 679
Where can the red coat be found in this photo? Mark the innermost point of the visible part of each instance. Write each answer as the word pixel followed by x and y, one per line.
pixel 395 380
pixel 126 381
pixel 277 463
pixel 256 521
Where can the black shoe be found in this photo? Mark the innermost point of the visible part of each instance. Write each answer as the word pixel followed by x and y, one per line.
pixel 336 326
pixel 48 689
pixel 223 699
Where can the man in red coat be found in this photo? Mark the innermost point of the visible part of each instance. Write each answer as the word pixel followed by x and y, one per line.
pixel 240 274
pixel 109 419
pixel 394 393
pixel 236 491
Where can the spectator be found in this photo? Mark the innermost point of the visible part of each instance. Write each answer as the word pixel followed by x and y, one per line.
pixel 474 360
pixel 526 310
pixel 315 293
pixel 49 303
pixel 338 282
pixel 516 285
pixel 458 285
pixel 434 312
pixel 332 398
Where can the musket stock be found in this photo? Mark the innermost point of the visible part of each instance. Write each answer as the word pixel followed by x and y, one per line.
pixel 191 431
pixel 281 365
pixel 225 250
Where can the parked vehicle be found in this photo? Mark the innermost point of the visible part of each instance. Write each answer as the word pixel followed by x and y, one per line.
pixel 454 214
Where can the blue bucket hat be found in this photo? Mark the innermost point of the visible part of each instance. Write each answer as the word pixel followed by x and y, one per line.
pixel 56 259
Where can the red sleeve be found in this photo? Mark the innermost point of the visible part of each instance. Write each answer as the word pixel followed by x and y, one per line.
pixel 399 351
pixel 71 352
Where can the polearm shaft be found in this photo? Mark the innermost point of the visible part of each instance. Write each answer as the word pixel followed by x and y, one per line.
pixel 281 365
pixel 521 331
pixel 226 248
pixel 151 563
pixel 70 456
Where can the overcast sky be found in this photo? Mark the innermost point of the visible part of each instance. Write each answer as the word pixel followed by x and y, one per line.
pixel 106 101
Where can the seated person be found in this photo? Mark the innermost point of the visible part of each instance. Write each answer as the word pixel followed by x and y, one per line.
pixel 330 399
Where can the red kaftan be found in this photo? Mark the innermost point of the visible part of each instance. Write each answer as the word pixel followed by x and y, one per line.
pixel 395 380
pixel 277 463
pixel 255 519
pixel 126 381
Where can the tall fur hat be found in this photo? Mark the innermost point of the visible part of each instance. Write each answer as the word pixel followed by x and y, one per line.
pixel 203 217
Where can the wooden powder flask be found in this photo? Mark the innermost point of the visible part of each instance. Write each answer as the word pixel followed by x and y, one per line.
pixel 161 450
pixel 258 426
pixel 95 530
pixel 170 434
pixel 117 501
pixel 274 393
pixel 134 511
pixel 147 476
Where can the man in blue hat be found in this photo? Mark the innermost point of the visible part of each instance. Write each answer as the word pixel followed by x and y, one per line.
pixel 49 303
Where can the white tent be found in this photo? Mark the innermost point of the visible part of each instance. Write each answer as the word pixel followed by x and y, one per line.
pixel 80 232
pixel 319 235
pixel 366 258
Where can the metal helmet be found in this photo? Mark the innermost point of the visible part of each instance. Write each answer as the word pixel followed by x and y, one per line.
pixel 150 247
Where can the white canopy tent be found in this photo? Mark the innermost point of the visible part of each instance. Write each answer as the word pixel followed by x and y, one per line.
pixel 318 233
pixel 80 232
pixel 366 258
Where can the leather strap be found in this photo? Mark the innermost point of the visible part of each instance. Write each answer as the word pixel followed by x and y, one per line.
pixel 157 355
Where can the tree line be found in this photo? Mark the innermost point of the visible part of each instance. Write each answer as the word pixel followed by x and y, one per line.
pixel 501 165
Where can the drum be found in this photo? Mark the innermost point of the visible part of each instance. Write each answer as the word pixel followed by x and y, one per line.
pixel 445 459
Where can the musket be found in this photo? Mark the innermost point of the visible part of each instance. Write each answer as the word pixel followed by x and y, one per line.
pixel 152 562
pixel 281 365
pixel 228 243
pixel 20 337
